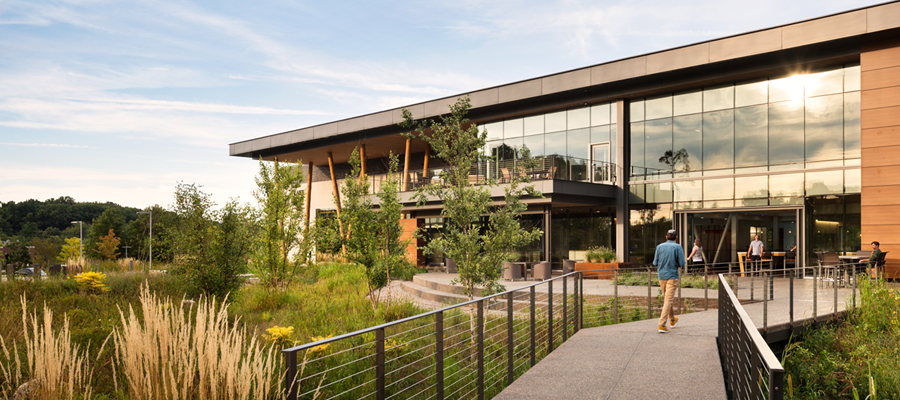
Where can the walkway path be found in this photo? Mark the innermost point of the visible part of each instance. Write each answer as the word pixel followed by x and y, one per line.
pixel 634 361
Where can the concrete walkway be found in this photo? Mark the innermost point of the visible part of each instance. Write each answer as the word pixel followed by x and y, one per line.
pixel 634 361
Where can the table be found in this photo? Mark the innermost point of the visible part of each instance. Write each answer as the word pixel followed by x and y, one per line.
pixel 524 265
pixel 852 260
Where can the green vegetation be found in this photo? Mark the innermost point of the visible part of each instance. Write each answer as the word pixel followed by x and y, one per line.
pixel 857 357
pixel 687 280
pixel 601 255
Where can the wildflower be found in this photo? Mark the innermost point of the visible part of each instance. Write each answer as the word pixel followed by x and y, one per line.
pixel 322 348
pixel 280 335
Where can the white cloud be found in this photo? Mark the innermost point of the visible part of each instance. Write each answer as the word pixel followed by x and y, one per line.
pixel 61 145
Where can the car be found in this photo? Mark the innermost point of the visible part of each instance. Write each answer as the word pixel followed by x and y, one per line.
pixel 29 272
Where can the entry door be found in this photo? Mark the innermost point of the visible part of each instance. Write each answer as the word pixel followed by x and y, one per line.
pixel 601 169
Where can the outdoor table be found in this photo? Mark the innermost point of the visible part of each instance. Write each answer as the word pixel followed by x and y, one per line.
pixel 850 261
pixel 524 265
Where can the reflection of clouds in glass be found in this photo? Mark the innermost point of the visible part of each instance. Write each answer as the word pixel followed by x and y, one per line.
pixel 786 132
pixel 786 185
pixel 658 135
pixel 825 128
pixel 751 126
pixel 687 135
pixel 829 182
pixel 718 139
pixel 851 125
pixel 688 190
pixel 828 82
pixel 789 88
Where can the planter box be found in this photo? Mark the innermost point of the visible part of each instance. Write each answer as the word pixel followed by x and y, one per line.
pixel 601 270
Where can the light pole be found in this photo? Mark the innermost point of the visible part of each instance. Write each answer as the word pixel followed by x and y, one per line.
pixel 151 237
pixel 80 239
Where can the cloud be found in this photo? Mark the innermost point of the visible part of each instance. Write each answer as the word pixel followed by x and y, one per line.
pixel 62 145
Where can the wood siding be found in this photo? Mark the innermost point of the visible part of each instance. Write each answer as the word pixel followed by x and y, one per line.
pixel 880 142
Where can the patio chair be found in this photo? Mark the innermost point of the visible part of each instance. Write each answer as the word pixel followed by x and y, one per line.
pixel 511 271
pixel 506 176
pixel 568 266
pixel 450 266
pixel 542 270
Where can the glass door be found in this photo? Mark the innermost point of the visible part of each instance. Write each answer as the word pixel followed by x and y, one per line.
pixel 601 169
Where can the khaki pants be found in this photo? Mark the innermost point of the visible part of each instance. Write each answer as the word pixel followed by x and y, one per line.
pixel 668 288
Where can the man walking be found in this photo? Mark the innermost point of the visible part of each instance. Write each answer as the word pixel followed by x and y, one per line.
pixel 668 258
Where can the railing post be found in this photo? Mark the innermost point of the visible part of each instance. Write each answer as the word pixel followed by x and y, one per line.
pixel 549 316
pixel 776 385
pixel 815 291
pixel 379 364
pixel 649 294
pixel 565 317
pixel 439 354
pixel 510 338
pixel 855 285
pixel 765 304
pixel 771 283
pixel 533 359
pixel 480 349
pixel 290 381
pixel 580 300
pixel 706 287
pixel 680 299
pixel 616 296
pixel 835 284
pixel 791 295
pixel 751 286
pixel 576 304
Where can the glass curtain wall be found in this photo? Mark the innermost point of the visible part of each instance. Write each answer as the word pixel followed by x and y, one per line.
pixel 563 138
pixel 575 230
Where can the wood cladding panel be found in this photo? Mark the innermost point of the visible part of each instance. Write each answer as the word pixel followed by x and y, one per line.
pixel 878 215
pixel 878 98
pixel 880 117
pixel 880 156
pixel 877 176
pixel 881 196
pixel 881 78
pixel 878 59
pixel 881 233
pixel 880 137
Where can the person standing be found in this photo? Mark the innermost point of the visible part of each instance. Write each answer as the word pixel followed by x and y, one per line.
pixel 697 253
pixel 754 252
pixel 669 257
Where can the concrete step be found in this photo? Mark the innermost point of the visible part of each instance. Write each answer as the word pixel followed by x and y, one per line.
pixel 426 293
pixel 442 287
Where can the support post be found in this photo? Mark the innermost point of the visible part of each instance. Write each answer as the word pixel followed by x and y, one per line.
pixel 406 167
pixel 791 295
pixel 706 287
pixel 581 300
pixel 379 364
pixel 290 376
pixel 510 339
pixel 481 350
pixel 337 194
pixel 616 296
pixel 439 354
pixel 565 319
pixel 425 162
pixel 622 151
pixel 533 330
pixel 362 161
pixel 549 316
pixel 649 294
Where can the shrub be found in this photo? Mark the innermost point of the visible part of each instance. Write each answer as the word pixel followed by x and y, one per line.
pixel 280 335
pixel 601 254
pixel 92 282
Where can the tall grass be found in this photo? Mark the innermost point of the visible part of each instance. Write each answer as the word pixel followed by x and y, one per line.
pixel 53 366
pixel 173 356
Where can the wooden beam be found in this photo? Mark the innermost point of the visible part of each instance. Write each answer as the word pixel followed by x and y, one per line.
pixel 425 164
pixel 406 167
pixel 309 170
pixel 362 161
pixel 337 194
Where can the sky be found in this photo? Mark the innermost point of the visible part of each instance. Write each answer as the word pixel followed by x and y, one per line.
pixel 122 100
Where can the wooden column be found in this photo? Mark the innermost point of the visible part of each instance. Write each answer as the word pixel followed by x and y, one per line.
pixel 309 171
pixel 362 161
pixel 337 194
pixel 425 164
pixel 406 167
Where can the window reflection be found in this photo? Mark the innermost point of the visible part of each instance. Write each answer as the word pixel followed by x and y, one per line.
pixel 851 125
pixel 851 78
pixel 600 134
pixel 658 108
pixel 687 135
pixel 749 94
pixel 600 115
pixel 688 103
pixel 555 122
pixel 750 187
pixel 825 128
pixel 828 182
pixel 578 143
pixel 658 145
pixel 555 143
pixel 512 128
pixel 637 111
pixel 578 118
pixel 718 99
pixel 688 190
pixel 751 130
pixel 786 185
pixel 852 181
pixel 535 144
pixel 786 132
pixel 789 88
pixel 829 82
pixel 718 139
pixel 637 148
pixel 718 189
pixel 494 130
pixel 534 125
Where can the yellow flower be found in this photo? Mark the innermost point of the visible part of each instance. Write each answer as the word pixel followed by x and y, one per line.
pixel 92 281
pixel 280 335
pixel 322 348
pixel 391 344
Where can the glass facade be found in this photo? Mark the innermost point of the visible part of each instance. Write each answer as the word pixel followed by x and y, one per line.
pixel 767 142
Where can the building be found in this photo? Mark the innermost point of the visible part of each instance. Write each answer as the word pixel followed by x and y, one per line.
pixel 792 132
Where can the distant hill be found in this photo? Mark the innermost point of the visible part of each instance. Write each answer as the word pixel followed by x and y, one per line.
pixel 52 217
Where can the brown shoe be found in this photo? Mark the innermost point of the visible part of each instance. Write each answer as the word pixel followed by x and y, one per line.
pixel 663 329
pixel 673 321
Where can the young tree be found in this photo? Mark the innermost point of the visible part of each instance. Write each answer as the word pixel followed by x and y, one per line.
pixel 210 247
pixel 45 250
pixel 70 249
pixel 283 246
pixel 373 237
pixel 108 246
pixel 111 219
pixel 326 234
pixel 478 245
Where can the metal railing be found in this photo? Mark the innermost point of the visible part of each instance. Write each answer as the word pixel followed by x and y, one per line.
pixel 755 305
pixel 450 353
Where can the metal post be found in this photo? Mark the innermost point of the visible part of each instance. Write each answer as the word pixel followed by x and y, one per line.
pixel 581 300
pixel 835 283
pixel 616 296
pixel 549 316
pixel 680 300
pixel 776 392
pixel 480 349
pixel 439 354
pixel 815 291
pixel 290 376
pixel 649 294
pixel 379 364
pixel 771 285
pixel 565 318
pixel 510 338
pixel 765 305
pixel 576 304
pixel 791 295
pixel 853 288
pixel 751 286
pixel 705 287
pixel 533 360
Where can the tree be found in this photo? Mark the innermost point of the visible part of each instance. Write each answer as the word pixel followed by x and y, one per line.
pixel 373 237
pixel 672 159
pixel 210 247
pixel 70 249
pixel 111 219
pixel 45 250
pixel 108 246
pixel 18 254
pixel 478 245
pixel 325 233
pixel 283 246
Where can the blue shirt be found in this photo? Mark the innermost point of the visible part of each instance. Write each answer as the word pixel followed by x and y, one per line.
pixel 668 258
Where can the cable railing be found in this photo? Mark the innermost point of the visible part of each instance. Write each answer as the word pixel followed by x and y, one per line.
pixel 764 302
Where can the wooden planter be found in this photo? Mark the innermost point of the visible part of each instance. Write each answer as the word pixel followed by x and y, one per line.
pixel 601 270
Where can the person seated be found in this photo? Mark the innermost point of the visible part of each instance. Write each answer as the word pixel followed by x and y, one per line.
pixel 873 270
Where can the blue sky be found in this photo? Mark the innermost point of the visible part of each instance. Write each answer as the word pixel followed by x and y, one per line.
pixel 120 100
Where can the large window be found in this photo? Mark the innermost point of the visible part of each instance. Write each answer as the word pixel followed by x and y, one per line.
pixel 764 142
